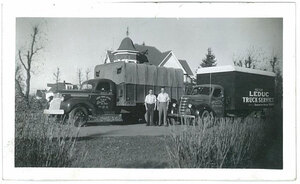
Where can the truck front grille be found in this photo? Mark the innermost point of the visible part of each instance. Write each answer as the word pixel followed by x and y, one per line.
pixel 183 105
pixel 55 104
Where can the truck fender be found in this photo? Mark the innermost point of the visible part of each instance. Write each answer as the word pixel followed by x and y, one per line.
pixel 78 103
pixel 203 107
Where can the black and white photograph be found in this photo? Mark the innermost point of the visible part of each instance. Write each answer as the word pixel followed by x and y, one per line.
pixel 144 92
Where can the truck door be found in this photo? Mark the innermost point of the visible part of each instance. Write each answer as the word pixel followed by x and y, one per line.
pixel 103 97
pixel 217 101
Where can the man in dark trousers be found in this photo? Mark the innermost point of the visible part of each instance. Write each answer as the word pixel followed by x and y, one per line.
pixel 150 105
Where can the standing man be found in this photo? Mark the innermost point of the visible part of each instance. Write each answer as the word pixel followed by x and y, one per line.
pixel 150 105
pixel 162 104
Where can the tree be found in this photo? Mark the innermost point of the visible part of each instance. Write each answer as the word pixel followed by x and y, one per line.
pixel 253 58
pixel 56 76
pixel 79 75
pixel 26 57
pixel 87 73
pixel 210 60
pixel 19 81
pixel 274 63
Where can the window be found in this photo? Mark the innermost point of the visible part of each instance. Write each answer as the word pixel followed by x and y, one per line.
pixel 201 91
pixel 103 86
pixel 120 92
pixel 217 92
pixel 119 70
pixel 98 73
pixel 86 86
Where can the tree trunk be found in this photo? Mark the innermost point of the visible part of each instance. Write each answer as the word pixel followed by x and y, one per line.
pixel 27 87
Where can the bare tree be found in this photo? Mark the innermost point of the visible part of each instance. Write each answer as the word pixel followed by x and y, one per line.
pixel 19 81
pixel 56 76
pixel 26 57
pixel 253 58
pixel 87 73
pixel 79 75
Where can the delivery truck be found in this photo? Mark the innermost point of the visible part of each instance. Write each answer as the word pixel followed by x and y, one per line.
pixel 226 91
pixel 118 89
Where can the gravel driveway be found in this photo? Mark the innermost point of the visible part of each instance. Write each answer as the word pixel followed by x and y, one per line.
pixel 124 130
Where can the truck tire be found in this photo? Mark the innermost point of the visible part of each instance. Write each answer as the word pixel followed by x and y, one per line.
pixel 78 116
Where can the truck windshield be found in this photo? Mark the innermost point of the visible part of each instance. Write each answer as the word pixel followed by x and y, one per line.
pixel 201 91
pixel 88 85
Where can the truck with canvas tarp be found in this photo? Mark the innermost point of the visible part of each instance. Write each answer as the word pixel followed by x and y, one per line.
pixel 227 91
pixel 118 88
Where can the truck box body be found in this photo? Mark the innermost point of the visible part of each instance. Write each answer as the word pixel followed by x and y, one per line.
pixel 244 88
pixel 134 81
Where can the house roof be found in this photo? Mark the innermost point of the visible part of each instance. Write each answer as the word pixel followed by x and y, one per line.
pixel 155 56
pixel 186 66
pixel 110 55
pixel 126 44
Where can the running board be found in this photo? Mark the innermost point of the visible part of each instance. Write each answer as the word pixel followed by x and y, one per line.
pixel 106 118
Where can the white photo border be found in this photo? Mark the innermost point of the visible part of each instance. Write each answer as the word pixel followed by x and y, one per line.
pixel 95 9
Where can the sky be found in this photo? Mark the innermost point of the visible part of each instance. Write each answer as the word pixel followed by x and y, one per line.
pixel 73 43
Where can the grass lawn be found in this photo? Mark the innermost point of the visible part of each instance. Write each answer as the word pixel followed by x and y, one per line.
pixel 125 152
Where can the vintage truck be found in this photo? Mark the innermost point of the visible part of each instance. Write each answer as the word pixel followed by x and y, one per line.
pixel 226 91
pixel 118 89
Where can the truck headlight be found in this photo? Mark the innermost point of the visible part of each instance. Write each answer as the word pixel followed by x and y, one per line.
pixel 174 104
pixel 190 106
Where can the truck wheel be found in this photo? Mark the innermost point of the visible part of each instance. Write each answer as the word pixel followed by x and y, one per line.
pixel 78 116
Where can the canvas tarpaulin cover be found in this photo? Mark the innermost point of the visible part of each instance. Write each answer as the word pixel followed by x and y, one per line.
pixel 151 75
pixel 132 73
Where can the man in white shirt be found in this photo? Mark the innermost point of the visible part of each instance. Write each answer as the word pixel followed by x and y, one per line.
pixel 150 105
pixel 162 104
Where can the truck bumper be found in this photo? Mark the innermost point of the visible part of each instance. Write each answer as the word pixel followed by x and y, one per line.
pixel 51 111
pixel 181 116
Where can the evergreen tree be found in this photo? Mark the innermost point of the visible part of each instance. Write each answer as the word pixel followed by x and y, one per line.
pixel 210 59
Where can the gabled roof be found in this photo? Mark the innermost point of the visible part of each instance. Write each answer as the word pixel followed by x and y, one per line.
pixel 110 56
pixel 155 56
pixel 126 44
pixel 186 66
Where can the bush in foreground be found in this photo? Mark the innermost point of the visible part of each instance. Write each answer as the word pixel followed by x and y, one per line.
pixel 230 143
pixel 44 142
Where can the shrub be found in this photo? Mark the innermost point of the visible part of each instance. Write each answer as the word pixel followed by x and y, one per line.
pixel 44 142
pixel 228 143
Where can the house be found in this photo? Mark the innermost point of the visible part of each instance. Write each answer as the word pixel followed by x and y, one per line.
pixel 130 52
pixel 60 86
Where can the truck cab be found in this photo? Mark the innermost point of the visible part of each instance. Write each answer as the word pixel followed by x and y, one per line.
pixel 205 101
pixel 96 96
